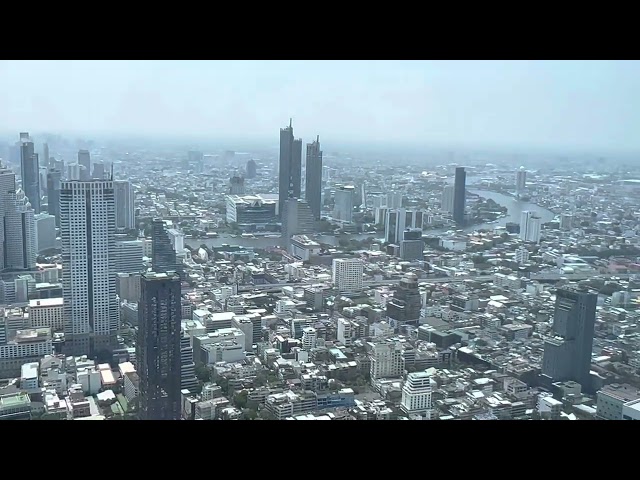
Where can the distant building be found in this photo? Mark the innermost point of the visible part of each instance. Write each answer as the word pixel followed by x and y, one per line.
pixel 98 171
pixel 412 245
pixel 30 171
pixel 290 167
pixel 416 394
pixel 54 177
pixel 566 221
pixel 252 169
pixel 129 255
pixel 45 226
pixel 522 255
pixel 398 220
pixel 125 205
pixel 256 210
pixel 447 198
pixel 47 312
pixel 313 184
pixel 406 304
pixel 297 219
pixel 530 225
pixel 521 180
pixel 386 359
pixel 394 200
pixel 84 160
pixel 459 195
pixel 236 185
pixel 302 247
pixel 344 202
pixel 347 274
pixel 163 255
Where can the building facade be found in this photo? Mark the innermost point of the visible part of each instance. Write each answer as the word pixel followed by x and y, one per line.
pixel 30 171
pixel 313 183
pixel 347 274
pixel 125 205
pixel 459 195
pixel 290 167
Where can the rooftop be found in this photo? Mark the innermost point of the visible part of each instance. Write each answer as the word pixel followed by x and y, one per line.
pixel 46 302
pixel 14 400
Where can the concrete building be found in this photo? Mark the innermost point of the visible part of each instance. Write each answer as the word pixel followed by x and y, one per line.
pixel 129 255
pixel 236 185
pixel 412 245
pixel 309 338
pixel 289 167
pixel 15 406
pixel 297 219
pixel 30 172
pixel 45 227
pixel 47 312
pixel 521 180
pixel 416 394
pixel 252 210
pixel 84 161
pixel 530 225
pixel 612 400
pixel 313 183
pixel 29 380
pixel 90 379
pixel 459 195
pixel 28 345
pixel 522 255
pixel 406 304
pixel 386 359
pixel 399 220
pixel 447 198
pixel 303 247
pixel 128 286
pixel 347 274
pixel 252 169
pixel 18 230
pixel 87 232
pixel 54 177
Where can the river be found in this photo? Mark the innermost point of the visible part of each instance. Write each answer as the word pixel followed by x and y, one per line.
pixel 514 211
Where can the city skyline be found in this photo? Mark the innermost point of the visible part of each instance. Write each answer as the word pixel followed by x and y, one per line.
pixel 583 105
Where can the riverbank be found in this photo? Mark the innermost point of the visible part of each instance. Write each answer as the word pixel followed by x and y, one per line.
pixel 513 205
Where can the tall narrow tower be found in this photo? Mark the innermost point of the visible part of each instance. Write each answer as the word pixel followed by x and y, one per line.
pixel 87 231
pixel 84 160
pixel 313 184
pixel 30 171
pixel 459 195
pixel 290 167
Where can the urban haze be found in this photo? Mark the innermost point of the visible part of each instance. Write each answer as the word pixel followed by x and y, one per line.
pixel 319 240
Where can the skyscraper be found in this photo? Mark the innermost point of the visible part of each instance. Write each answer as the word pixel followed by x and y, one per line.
pixel 125 205
pixel 252 169
pixel 30 171
pixel 53 194
pixel 84 160
pixel 530 225
pixel 290 167
pixel 158 352
pixel 87 232
pixel 347 274
pixel 405 306
pixel 163 256
pixel 19 232
pixel 297 219
pixel 412 245
pixel 567 355
pixel 98 171
pixel 344 201
pixel 447 198
pixel 236 185
pixel 313 182
pixel 398 221
pixel 459 195
pixel 46 161
pixel 521 180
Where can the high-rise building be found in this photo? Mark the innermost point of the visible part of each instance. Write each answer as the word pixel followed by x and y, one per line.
pixel 30 171
pixel 46 160
pixel 252 169
pixel 344 202
pixel 45 228
pixel 416 394
pixel 87 233
pixel 398 220
pixel 290 167
pixel 188 379
pixel 459 195
pixel 20 244
pixel 84 160
pixel 447 198
pixel 98 171
pixel 386 359
pixel 394 200
pixel 313 183
pixel 74 171
pixel 7 184
pixel 125 205
pixel 566 221
pixel 522 255
pixel 530 225
pixel 567 355
pixel 129 255
pixel 412 245
pixel 347 274
pixel 53 193
pixel 163 256
pixel 521 180
pixel 297 219
pixel 236 185
pixel 158 349
pixel 404 308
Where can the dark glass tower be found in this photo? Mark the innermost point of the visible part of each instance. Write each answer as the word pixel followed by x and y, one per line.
pixel 30 172
pixel 290 167
pixel 567 355
pixel 404 307
pixel 84 160
pixel 459 192
pixel 53 194
pixel 313 183
pixel 163 256
pixel 158 348
pixel 252 169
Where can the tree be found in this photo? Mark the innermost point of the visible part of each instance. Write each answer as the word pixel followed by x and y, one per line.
pixel 240 399
pixel 266 415
pixel 249 414
pixel 203 373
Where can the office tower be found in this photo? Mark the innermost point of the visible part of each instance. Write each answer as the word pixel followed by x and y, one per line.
pixel 84 160
pixel 522 255
pixel 416 394
pixel 53 194
pixel 344 202
pixel 45 229
pixel 405 306
pixel 566 221
pixel 188 379
pixel 380 215
pixel 158 349
pixel 290 167
pixel 19 232
pixel 43 182
pixel 87 233
pixel 46 160
pixel 313 182
pixel 297 219
pixel 125 205
pixel 412 245
pixel 459 195
pixel 347 274
pixel 98 171
pixel 236 185
pixel 379 201
pixel 129 255
pixel 521 180
pixel 447 198
pixel 530 225
pixel 163 256
pixel 567 354
pixel 394 200
pixel 398 220
pixel 7 184
pixel 386 360
pixel 30 171
pixel 74 171
pixel 252 169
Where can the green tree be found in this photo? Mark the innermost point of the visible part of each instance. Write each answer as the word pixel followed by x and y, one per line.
pixel 266 415
pixel 203 373
pixel 240 399
pixel 249 414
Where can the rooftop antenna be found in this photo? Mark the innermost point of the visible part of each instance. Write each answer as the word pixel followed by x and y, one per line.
pixel 112 172
pixel 318 139
pixel 290 120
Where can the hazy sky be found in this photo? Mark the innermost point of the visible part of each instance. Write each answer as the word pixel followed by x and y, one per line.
pixel 585 104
